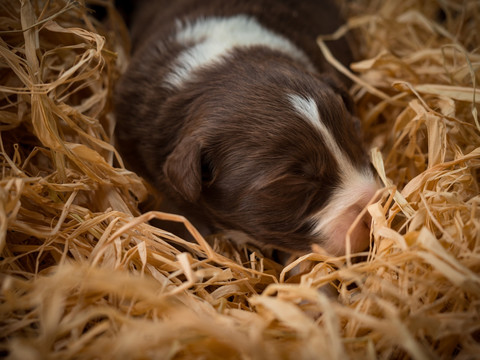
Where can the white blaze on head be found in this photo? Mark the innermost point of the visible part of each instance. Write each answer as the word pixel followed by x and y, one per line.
pixel 307 107
pixel 356 189
pixel 209 39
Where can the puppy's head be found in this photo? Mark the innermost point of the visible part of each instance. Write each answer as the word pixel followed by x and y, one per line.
pixel 273 152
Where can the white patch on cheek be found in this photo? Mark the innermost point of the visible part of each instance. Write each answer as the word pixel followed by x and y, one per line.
pixel 209 39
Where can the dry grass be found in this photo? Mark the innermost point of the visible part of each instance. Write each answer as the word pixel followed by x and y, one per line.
pixel 84 276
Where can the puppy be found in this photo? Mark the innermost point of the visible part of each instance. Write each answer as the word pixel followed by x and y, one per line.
pixel 229 108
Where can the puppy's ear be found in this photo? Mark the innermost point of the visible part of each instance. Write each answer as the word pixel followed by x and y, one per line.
pixel 182 169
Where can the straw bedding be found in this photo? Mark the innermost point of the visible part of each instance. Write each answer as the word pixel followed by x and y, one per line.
pixel 84 275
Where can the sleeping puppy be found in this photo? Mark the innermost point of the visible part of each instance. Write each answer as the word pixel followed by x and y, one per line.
pixel 229 108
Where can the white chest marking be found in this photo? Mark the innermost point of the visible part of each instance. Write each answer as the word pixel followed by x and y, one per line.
pixel 209 39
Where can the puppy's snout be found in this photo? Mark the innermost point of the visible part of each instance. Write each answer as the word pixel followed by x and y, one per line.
pixel 360 208
pixel 360 234
pixel 346 217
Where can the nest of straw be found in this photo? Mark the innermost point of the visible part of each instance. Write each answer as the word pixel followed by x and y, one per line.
pixel 84 275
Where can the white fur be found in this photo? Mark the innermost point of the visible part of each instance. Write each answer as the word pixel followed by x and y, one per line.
pixel 355 190
pixel 210 39
pixel 335 219
pixel 308 109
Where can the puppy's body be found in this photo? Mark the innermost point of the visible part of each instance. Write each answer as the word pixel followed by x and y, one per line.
pixel 229 108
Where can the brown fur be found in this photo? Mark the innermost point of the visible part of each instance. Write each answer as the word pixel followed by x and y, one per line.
pixel 229 146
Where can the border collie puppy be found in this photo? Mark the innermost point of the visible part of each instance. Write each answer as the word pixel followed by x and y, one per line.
pixel 229 108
